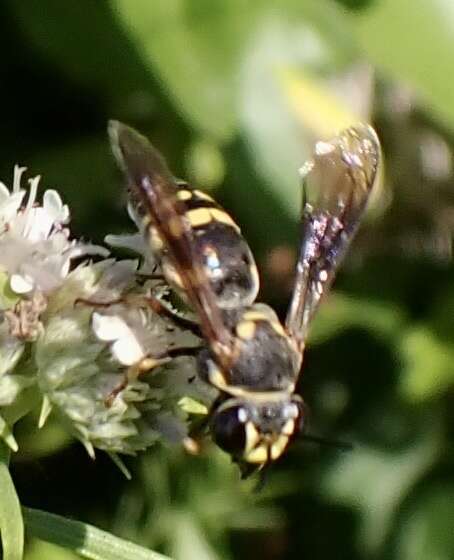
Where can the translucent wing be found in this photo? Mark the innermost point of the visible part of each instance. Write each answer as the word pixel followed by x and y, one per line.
pixel 337 184
pixel 153 194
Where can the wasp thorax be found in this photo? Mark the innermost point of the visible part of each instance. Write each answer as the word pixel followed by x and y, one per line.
pixel 257 429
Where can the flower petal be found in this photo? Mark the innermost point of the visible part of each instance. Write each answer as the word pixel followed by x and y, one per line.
pixel 109 327
pixel 53 205
pixel 128 351
pixel 21 284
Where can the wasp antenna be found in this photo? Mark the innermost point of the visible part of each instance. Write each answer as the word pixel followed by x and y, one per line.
pixel 262 479
pixel 248 469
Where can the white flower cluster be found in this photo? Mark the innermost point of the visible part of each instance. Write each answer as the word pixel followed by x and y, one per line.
pixel 71 333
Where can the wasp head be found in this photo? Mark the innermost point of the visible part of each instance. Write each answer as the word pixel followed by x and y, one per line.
pixel 256 429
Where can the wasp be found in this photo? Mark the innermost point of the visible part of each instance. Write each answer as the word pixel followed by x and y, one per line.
pixel 251 357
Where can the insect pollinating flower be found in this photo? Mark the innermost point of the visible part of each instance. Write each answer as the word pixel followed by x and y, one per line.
pixel 98 343
pixel 68 355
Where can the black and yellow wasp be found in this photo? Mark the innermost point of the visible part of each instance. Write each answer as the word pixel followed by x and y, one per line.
pixel 250 356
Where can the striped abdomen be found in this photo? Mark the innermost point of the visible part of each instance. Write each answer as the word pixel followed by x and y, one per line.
pixel 224 254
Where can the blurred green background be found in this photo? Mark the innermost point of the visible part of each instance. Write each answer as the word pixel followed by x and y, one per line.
pixel 234 93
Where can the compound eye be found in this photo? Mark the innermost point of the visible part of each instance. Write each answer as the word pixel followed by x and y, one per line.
pixel 229 429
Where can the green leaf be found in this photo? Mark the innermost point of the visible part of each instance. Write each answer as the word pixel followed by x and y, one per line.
pixel 286 97
pixel 192 406
pixel 82 172
pixel 205 163
pixel 40 442
pixel 376 482
pixel 195 48
pixel 426 532
pixel 86 540
pixel 11 522
pixel 315 106
pixel 118 461
pixel 189 542
pixel 83 42
pixel 7 436
pixel 7 297
pixel 412 40
pixel 427 364
pixel 39 550
pixel 340 312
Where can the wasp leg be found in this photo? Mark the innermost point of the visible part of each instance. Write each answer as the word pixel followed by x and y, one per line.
pixel 161 309
pixel 151 276
pixel 158 279
pixel 154 303
pixel 192 443
pixel 147 365
pixel 134 372
pixel 99 304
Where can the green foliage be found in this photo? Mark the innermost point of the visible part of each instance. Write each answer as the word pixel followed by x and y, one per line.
pixel 418 36
pixel 234 93
pixel 427 364
pixel 89 542
pixel 428 528
pixel 11 523
pixel 204 45
pixel 377 481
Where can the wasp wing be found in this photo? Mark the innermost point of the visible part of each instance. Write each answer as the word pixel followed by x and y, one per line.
pixel 153 191
pixel 337 184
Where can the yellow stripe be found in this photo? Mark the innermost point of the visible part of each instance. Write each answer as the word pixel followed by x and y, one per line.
pixel 259 316
pixel 257 455
pixel 203 216
pixel 175 227
pixel 216 377
pixel 278 328
pixel 245 330
pixel 202 195
pixel 199 217
pixel 223 217
pixel 183 194
pixel 288 428
pixel 255 316
pixel 156 240
pixel 252 437
pixel 278 447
